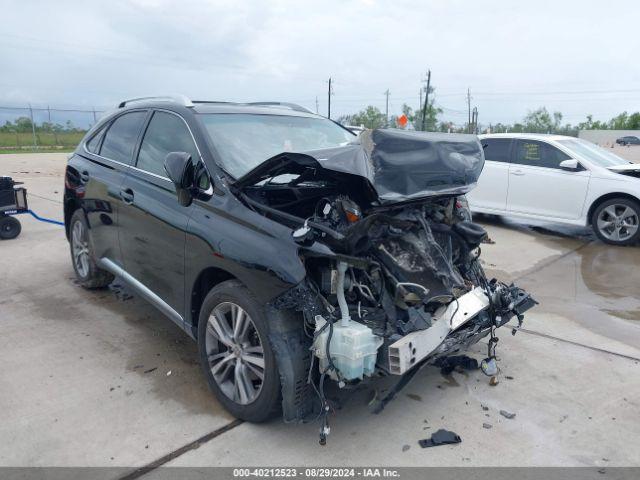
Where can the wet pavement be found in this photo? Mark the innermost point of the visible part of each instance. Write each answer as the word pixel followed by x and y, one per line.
pixel 587 281
pixel 102 379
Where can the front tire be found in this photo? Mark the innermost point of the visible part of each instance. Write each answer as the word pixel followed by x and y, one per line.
pixel 235 353
pixel 617 221
pixel 88 274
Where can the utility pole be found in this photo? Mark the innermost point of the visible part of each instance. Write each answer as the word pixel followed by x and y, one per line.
pixel 386 109
pixel 329 92
pixel 33 127
pixel 426 102
pixel 317 107
pixel 420 104
pixel 475 120
pixel 469 109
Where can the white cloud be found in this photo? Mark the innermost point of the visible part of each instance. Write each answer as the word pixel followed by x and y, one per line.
pixel 74 52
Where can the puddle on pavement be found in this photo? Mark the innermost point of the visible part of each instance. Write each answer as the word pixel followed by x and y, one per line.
pixel 594 284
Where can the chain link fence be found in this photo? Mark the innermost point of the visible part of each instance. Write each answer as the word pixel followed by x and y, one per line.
pixel 41 128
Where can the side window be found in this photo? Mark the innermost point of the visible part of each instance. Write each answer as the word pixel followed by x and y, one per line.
pixel 538 154
pixel 166 133
pixel 93 145
pixel 497 149
pixel 120 139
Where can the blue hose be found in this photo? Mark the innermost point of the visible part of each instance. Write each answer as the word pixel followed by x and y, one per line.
pixel 35 215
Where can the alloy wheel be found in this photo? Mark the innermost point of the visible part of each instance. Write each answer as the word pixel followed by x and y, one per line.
pixel 80 247
pixel 235 353
pixel 618 222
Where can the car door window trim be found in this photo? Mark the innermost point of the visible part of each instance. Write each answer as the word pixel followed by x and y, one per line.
pixel 146 127
pixel 107 128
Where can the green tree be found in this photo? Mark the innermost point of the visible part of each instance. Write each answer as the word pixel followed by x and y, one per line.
pixel 23 124
pixel 540 121
pixel 370 117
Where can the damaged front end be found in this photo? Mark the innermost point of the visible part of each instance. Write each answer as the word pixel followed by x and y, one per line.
pixel 394 279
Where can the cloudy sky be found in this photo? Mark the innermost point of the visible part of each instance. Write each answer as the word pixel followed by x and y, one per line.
pixel 577 57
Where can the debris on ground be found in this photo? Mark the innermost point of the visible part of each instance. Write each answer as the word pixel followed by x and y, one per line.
pixel 508 415
pixel 487 426
pixel 508 377
pixel 563 418
pixel 489 367
pixel 488 240
pixel 374 397
pixel 415 397
pixel 151 370
pixel 449 364
pixel 406 447
pixel 441 437
pixel 494 381
pixel 168 373
pixel 484 407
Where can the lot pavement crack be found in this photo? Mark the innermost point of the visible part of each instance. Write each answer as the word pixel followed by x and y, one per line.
pixel 139 472
pixel 602 350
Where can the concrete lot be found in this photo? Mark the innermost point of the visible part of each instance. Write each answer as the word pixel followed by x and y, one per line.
pixel 629 152
pixel 102 379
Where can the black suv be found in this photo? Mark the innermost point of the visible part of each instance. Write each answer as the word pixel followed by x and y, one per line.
pixel 290 249
pixel 628 140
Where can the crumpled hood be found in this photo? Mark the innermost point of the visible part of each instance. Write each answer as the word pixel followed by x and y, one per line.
pixel 399 165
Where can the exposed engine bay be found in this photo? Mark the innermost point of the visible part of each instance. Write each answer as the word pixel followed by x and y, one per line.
pixel 394 280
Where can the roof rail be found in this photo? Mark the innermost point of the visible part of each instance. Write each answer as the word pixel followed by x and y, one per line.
pixel 291 106
pixel 181 99
pixel 214 102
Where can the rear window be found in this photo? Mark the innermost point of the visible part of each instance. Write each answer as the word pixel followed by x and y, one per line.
pixel 496 149
pixel 120 139
pixel 93 145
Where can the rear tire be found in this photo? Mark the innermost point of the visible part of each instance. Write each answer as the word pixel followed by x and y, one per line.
pixel 617 221
pixel 88 274
pixel 236 355
pixel 9 227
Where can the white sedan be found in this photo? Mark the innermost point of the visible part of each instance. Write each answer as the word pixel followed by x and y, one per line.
pixel 560 179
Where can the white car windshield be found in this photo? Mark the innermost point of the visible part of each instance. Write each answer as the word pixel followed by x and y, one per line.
pixel 593 153
pixel 244 141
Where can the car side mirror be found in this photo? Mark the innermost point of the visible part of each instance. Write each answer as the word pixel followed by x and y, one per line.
pixel 180 170
pixel 570 165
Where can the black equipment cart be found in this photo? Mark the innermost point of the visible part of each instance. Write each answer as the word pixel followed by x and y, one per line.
pixel 13 200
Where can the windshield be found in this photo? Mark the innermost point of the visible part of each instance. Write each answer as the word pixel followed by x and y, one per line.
pixel 244 141
pixel 593 153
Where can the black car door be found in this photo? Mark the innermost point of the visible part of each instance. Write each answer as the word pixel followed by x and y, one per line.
pixel 152 222
pixel 110 154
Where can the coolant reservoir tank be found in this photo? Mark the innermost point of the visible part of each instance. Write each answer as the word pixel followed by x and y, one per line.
pixel 353 349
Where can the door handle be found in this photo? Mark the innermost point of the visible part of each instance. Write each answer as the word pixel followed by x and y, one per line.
pixel 127 196
pixel 517 172
pixel 84 176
